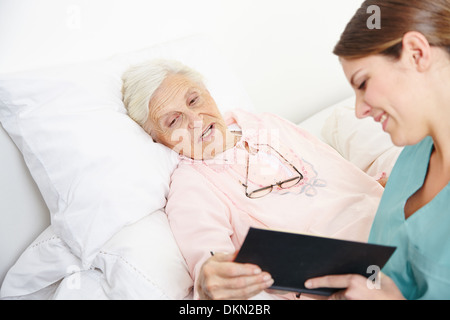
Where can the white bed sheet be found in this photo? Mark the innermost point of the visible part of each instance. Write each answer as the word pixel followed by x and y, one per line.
pixel 134 277
pixel 67 106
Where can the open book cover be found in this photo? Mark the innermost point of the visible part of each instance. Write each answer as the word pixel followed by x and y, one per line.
pixel 293 258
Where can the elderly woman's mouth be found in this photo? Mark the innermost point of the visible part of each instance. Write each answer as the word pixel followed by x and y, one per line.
pixel 208 132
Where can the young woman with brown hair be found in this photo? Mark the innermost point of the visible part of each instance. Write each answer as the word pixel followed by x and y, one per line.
pixel 401 76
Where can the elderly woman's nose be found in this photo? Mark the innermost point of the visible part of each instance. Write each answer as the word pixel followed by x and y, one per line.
pixel 195 120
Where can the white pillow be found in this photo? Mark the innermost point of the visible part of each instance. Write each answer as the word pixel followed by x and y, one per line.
pixel 97 170
pixel 142 261
pixel 315 123
pixel 361 141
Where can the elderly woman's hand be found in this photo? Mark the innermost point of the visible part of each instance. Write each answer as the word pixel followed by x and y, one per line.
pixel 222 279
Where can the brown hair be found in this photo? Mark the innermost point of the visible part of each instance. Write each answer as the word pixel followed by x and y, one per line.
pixel 429 17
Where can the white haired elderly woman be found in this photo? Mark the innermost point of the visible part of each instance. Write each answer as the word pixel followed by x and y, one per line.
pixel 242 170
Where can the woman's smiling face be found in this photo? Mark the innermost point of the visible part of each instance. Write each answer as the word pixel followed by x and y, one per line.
pixel 184 117
pixel 392 93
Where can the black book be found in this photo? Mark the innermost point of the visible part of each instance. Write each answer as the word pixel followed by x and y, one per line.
pixel 293 258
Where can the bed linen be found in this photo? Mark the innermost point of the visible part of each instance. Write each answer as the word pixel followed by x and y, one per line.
pixel 148 277
pixel 142 261
pixel 36 275
pixel 98 172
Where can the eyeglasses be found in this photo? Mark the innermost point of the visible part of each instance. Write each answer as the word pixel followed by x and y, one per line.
pixel 286 184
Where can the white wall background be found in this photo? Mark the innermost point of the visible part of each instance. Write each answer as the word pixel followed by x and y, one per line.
pixel 281 49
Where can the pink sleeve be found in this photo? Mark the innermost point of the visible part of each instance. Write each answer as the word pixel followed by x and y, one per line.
pixel 199 220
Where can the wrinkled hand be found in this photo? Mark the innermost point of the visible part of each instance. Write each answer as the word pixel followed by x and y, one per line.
pixel 356 287
pixel 222 279
pixel 383 180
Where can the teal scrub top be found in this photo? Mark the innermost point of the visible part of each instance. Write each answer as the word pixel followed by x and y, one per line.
pixel 420 266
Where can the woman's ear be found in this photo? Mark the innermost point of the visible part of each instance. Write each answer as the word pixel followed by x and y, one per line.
pixel 416 51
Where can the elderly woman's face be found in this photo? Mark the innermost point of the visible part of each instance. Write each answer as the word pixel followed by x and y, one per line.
pixel 184 117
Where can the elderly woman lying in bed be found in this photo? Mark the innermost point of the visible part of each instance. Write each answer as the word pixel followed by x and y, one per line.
pixel 238 171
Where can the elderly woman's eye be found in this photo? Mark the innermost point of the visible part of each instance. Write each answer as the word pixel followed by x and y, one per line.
pixel 193 101
pixel 173 121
